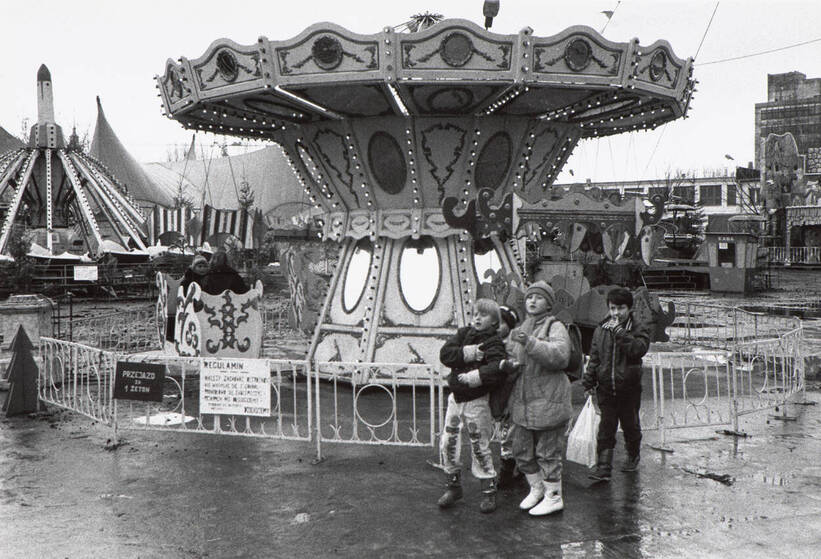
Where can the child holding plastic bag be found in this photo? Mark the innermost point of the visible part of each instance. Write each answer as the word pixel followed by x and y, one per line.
pixel 613 374
pixel 581 444
pixel 540 402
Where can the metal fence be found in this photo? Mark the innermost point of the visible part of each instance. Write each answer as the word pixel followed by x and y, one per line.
pixel 713 388
pixel 355 403
pixel 794 255
pixel 77 377
pixel 722 327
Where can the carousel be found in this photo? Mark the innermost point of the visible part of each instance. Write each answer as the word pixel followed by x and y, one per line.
pixel 68 199
pixel 416 146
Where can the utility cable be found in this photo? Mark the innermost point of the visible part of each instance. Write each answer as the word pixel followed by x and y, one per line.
pixel 698 50
pixel 609 17
pixel 743 56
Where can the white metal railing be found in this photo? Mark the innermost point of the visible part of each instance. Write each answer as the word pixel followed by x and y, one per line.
pixel 722 327
pixel 795 255
pixel 76 377
pixel 123 331
pixel 359 403
pixel 377 403
pixel 702 389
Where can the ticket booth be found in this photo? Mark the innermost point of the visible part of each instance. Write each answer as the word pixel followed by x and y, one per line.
pixel 733 260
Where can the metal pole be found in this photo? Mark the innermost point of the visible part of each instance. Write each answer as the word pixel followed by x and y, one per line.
pixel 312 369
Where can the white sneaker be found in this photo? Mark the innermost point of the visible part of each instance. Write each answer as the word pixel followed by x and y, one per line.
pixel 552 501
pixel 536 491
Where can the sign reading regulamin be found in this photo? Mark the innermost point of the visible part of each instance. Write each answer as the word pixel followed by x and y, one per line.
pixel 235 387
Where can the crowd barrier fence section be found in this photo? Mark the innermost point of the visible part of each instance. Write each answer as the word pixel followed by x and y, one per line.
pixel 77 377
pixel 722 327
pixel 713 388
pixel 329 402
pixel 291 409
pixel 124 331
pixel 377 403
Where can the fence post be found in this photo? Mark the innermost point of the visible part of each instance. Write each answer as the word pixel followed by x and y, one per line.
pixel 658 383
pixel 313 370
pixel 735 327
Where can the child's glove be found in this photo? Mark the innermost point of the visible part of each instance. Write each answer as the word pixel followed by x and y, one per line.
pixel 509 366
pixel 472 353
pixel 471 379
pixel 519 336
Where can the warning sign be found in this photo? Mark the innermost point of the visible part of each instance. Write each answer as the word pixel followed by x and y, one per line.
pixel 235 387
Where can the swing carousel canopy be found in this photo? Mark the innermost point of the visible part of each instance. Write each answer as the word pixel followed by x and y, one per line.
pixel 397 134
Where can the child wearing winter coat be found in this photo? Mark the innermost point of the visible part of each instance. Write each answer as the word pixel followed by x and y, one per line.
pixel 613 374
pixel 540 402
pixel 474 355
pixel 507 471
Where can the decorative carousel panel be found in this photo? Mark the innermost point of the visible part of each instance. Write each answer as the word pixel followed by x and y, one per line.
pixel 659 70
pixel 332 146
pixel 545 149
pixel 419 290
pixel 337 346
pixel 227 67
pixel 231 323
pixel 580 52
pixel 187 330
pixel 354 290
pixel 456 45
pixel 389 161
pixel 175 87
pixel 324 49
pixel 450 99
pixel 406 348
pixel 353 101
pixel 161 309
pixel 537 100
pixel 444 146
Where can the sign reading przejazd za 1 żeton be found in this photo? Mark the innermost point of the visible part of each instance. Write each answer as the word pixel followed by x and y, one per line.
pixel 235 387
pixel 138 381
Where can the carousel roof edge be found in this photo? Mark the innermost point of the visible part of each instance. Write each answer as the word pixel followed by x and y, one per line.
pixel 264 42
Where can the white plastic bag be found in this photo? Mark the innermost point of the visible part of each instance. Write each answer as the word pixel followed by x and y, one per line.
pixel 581 444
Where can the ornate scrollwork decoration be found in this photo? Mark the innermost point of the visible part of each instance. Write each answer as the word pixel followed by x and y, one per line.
pixel 494 220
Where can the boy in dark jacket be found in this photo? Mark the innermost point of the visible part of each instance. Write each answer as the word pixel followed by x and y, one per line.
pixel 474 355
pixel 614 374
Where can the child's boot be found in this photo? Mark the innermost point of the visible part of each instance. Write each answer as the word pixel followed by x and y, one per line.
pixel 453 492
pixel 507 473
pixel 631 464
pixel 488 503
pixel 604 465
pixel 536 491
pixel 552 501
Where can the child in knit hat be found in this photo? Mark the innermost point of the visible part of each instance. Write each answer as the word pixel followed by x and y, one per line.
pixel 540 402
pixel 475 355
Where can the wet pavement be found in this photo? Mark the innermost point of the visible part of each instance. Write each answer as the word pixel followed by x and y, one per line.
pixel 62 494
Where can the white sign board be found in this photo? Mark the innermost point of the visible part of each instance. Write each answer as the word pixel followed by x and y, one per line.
pixel 85 273
pixel 235 387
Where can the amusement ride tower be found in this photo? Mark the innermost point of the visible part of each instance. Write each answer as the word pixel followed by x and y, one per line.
pixel 413 145
pixel 66 197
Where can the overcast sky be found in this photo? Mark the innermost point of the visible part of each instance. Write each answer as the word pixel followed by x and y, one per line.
pixel 113 49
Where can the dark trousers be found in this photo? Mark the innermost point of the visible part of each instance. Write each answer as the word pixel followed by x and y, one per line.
pixel 624 409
